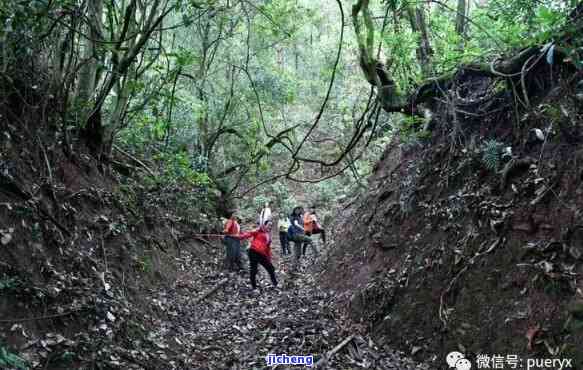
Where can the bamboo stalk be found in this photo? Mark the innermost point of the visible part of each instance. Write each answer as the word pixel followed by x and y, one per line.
pixel 329 354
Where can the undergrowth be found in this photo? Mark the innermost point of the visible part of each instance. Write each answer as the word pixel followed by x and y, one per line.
pixel 9 360
pixel 491 153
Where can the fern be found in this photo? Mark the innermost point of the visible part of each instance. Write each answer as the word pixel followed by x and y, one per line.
pixel 8 283
pixel 491 154
pixel 10 360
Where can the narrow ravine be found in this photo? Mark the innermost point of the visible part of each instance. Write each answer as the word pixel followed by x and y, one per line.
pixel 232 328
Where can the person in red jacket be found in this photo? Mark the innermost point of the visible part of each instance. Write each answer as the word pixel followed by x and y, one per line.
pixel 232 243
pixel 260 252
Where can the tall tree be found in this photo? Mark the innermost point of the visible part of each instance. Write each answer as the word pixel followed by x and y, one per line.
pixel 91 43
pixel 461 19
pixel 416 15
pixel 126 47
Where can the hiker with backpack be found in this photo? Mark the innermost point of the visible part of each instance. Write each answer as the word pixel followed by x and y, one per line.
pixel 296 233
pixel 260 252
pixel 312 226
pixel 232 243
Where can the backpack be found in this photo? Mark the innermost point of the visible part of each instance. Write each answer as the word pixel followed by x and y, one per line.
pixel 292 229
pixel 290 232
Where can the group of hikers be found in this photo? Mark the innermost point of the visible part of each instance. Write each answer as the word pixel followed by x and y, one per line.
pixel 297 228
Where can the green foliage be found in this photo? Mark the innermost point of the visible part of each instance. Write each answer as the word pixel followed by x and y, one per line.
pixel 491 154
pixel 179 168
pixel 402 47
pixel 287 204
pixel 549 22
pixel 9 283
pixel 67 357
pixel 522 22
pixel 208 91
pixel 118 227
pixel 409 129
pixel 184 57
pixel 282 87
pixel 282 17
pixel 36 232
pixel 327 191
pixel 11 360
pixel 501 32
pixel 284 200
pixel 492 29
pixel 20 19
pixel 552 112
pixel 145 264
pixel 260 200
pixel 447 45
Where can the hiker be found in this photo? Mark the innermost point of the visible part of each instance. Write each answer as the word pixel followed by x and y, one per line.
pixel 296 234
pixel 260 252
pixel 312 226
pixel 265 214
pixel 283 225
pixel 232 243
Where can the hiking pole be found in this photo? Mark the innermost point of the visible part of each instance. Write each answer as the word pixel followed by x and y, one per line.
pixel 208 235
pixel 201 237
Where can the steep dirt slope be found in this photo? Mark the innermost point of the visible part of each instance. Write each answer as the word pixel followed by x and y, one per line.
pixel 80 250
pixel 468 244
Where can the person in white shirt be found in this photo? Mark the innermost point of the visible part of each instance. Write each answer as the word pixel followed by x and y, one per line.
pixel 283 225
pixel 265 214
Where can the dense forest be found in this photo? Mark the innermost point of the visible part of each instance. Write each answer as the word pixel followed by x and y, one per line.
pixel 436 146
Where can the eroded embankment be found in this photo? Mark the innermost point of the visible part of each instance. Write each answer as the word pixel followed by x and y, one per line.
pixel 80 251
pixel 472 240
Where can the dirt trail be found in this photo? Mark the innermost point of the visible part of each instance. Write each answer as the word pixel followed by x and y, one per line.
pixel 233 329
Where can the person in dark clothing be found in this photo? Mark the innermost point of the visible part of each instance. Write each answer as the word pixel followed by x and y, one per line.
pixel 296 234
pixel 260 252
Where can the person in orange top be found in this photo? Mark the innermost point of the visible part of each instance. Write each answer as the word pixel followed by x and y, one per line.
pixel 260 252
pixel 312 226
pixel 232 243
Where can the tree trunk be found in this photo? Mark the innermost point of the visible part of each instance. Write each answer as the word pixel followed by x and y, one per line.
pixel 85 92
pixel 418 25
pixel 280 57
pixel 88 73
pixel 121 102
pixel 461 21
pixel 297 58
pixel 122 88
pixel 425 44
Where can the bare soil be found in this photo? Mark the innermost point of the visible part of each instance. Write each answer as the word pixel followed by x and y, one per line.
pixel 446 254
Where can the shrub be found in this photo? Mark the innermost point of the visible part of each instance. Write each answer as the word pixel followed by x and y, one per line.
pixel 491 152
